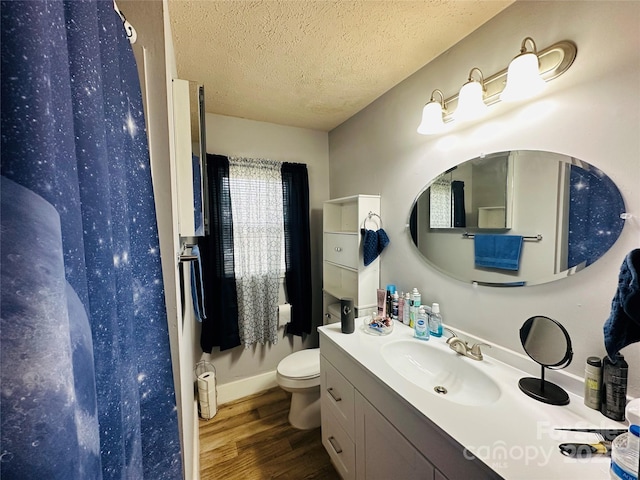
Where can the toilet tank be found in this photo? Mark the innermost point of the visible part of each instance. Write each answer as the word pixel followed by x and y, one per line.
pixel 333 314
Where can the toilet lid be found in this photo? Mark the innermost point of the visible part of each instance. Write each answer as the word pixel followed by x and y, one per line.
pixel 302 364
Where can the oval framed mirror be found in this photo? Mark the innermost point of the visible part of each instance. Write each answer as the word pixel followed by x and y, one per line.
pixel 567 212
pixel 548 343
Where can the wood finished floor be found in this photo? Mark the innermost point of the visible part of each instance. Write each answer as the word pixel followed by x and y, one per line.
pixel 251 439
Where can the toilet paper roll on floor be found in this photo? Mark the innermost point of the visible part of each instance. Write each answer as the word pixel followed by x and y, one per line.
pixel 284 314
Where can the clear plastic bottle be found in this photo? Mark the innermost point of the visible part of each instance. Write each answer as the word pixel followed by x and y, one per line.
pixel 435 321
pixel 421 330
pixel 407 309
pixel 624 457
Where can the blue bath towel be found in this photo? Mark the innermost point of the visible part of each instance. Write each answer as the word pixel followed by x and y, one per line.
pixel 498 251
pixel 623 325
pixel 197 288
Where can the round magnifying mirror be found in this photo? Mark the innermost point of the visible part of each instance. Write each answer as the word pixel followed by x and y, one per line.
pixel 548 343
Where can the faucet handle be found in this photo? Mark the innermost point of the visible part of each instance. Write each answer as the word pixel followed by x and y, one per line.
pixel 453 335
pixel 475 349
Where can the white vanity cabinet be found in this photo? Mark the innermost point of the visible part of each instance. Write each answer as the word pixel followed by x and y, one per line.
pixel 343 271
pixel 337 406
pixel 371 433
pixel 362 444
pixel 381 450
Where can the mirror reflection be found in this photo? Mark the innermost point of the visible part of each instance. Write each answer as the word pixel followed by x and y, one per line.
pixel 564 211
pixel 472 195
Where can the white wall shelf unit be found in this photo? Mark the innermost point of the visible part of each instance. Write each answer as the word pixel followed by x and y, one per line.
pixel 343 270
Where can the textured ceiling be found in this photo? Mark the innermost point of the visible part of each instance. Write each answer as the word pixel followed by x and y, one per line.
pixel 312 64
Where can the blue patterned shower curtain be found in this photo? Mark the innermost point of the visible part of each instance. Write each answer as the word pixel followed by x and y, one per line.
pixel 87 388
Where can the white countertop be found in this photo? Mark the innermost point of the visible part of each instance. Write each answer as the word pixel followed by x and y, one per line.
pixel 514 436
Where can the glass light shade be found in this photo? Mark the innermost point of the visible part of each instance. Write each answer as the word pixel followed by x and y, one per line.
pixel 470 102
pixel 431 119
pixel 523 79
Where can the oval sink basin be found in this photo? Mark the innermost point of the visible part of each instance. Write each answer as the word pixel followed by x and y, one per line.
pixel 442 373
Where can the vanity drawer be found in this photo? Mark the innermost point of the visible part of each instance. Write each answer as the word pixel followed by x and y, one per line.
pixel 340 447
pixel 341 248
pixel 337 396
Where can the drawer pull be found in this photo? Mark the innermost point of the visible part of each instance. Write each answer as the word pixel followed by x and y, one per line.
pixel 337 398
pixel 338 249
pixel 335 445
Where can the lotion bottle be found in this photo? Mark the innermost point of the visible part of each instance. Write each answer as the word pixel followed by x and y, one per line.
pixel 614 387
pixel 592 382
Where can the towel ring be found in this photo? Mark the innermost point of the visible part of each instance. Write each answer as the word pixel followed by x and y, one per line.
pixel 370 217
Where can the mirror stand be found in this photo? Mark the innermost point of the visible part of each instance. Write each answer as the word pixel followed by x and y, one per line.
pixel 548 344
pixel 542 390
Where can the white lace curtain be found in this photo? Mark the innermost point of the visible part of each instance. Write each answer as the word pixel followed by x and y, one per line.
pixel 255 187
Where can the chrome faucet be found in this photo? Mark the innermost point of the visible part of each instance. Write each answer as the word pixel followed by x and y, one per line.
pixel 463 348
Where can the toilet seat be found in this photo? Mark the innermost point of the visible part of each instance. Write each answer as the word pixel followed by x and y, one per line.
pixel 300 365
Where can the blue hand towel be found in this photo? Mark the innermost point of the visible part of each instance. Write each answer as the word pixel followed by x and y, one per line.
pixel 498 251
pixel 383 240
pixel 197 288
pixel 373 243
pixel 623 325
pixel 369 245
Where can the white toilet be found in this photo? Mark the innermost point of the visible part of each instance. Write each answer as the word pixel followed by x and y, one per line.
pixel 299 373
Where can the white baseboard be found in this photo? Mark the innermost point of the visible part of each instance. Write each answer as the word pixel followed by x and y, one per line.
pixel 245 387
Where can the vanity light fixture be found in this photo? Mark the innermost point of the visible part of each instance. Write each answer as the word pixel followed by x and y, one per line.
pixel 432 113
pixel 523 76
pixel 552 62
pixel 471 98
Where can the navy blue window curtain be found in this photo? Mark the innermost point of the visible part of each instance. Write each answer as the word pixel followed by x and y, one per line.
pixel 217 255
pixel 87 386
pixel 295 192
pixel 220 328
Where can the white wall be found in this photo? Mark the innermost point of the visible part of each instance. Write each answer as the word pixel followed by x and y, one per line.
pixel 238 137
pixel 595 117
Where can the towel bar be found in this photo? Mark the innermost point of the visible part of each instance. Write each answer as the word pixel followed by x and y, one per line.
pixel 183 257
pixel 535 238
pixel 369 216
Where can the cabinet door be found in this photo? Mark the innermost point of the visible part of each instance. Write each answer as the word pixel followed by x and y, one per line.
pixel 382 452
pixel 339 446
pixel 337 396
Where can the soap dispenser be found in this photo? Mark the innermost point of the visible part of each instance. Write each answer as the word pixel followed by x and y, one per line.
pixel 421 330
